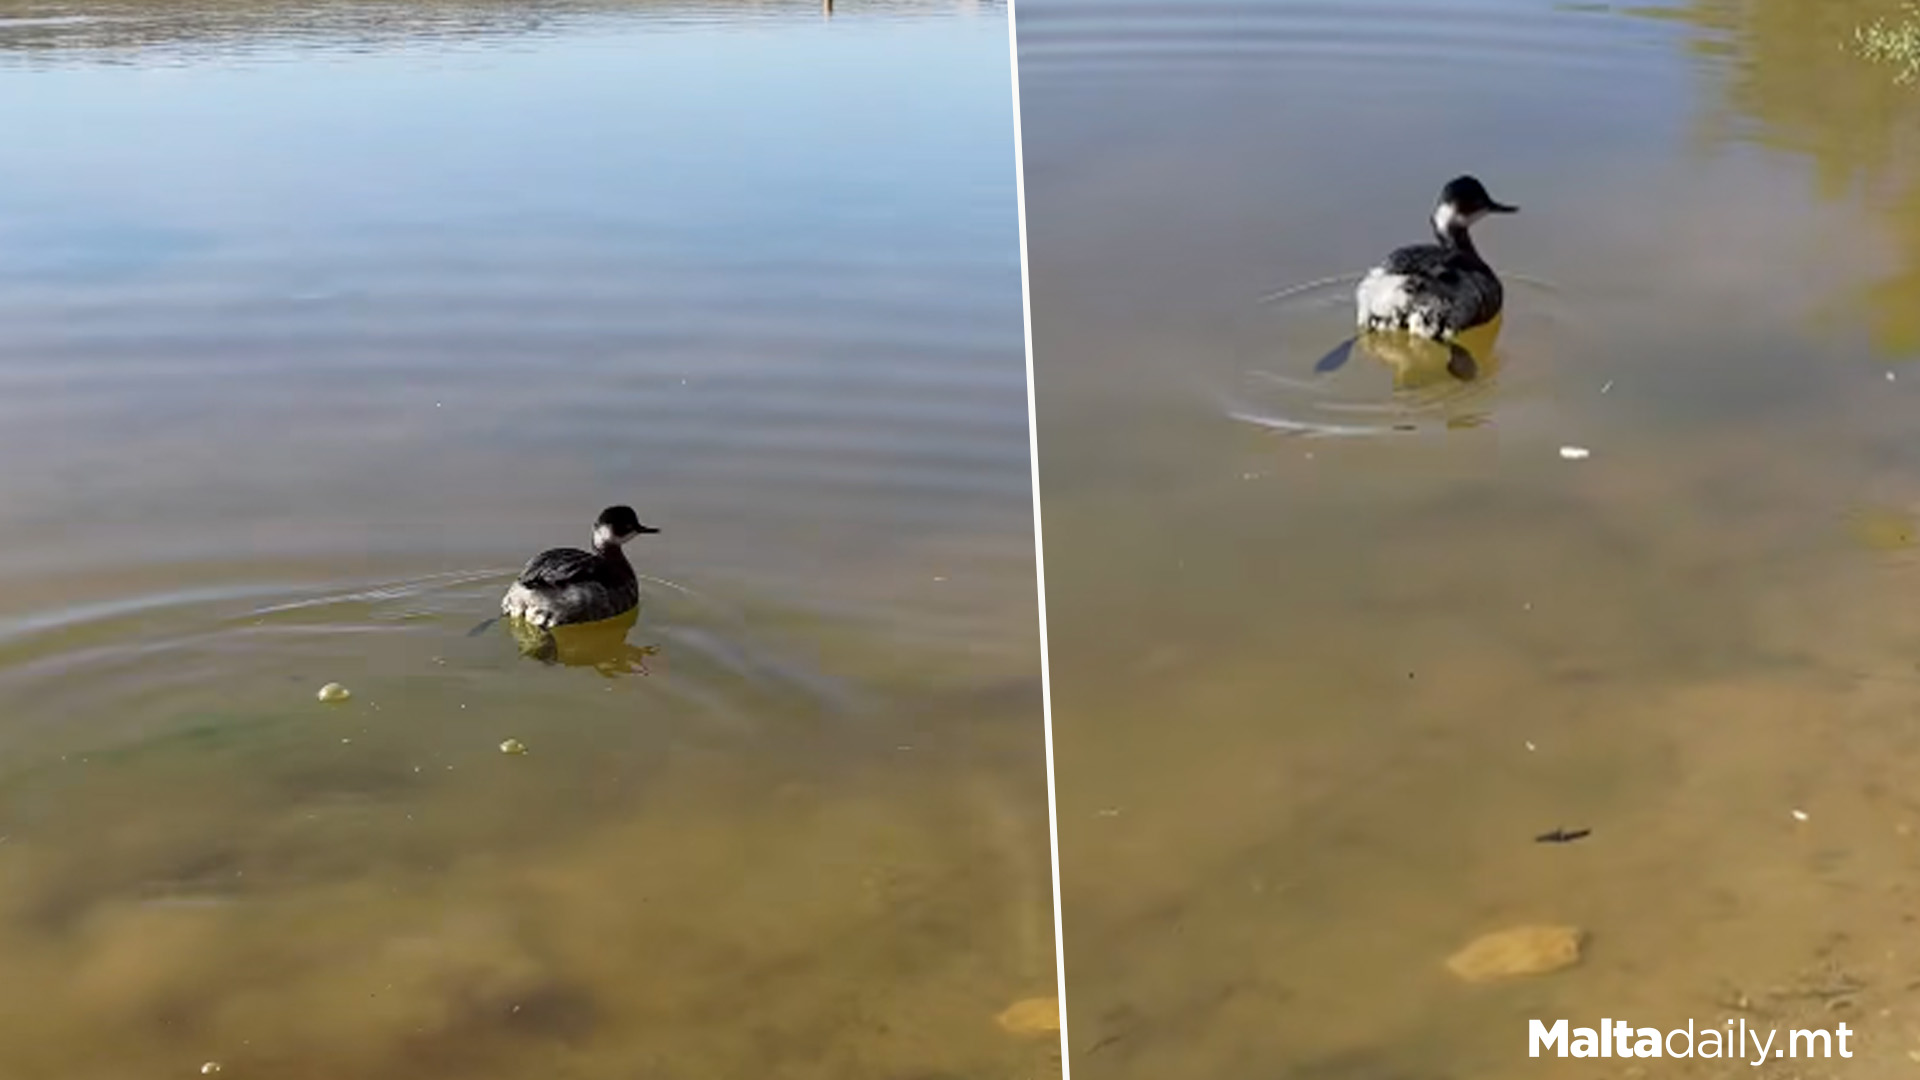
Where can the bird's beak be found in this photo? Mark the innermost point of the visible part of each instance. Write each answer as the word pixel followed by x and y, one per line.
pixel 1502 208
pixel 645 529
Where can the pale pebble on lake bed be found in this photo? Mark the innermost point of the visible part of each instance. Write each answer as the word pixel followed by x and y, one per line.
pixel 1032 1016
pixel 1520 950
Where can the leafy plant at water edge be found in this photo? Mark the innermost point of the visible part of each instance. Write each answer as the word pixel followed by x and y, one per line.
pixel 1896 44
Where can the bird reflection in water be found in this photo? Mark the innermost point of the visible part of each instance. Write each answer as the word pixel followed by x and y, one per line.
pixel 602 645
pixel 1418 363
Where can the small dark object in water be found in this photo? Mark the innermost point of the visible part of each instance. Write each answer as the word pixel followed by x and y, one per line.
pixel 1561 836
pixel 1461 364
pixel 1336 359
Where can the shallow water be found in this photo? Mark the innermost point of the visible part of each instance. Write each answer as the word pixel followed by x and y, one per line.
pixel 318 322
pixel 1328 653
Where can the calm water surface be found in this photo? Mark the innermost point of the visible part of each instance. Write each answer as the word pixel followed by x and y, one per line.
pixel 317 323
pixel 1330 652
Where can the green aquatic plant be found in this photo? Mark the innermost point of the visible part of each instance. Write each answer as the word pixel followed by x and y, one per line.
pixel 1896 44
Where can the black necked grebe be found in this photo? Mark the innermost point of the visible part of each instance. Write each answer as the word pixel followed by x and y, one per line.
pixel 1433 291
pixel 1437 290
pixel 566 585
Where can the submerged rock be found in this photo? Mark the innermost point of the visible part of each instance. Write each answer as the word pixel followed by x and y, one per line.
pixel 1521 950
pixel 1032 1016
pixel 1881 528
pixel 333 692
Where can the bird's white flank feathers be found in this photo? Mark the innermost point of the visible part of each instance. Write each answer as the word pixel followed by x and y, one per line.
pixel 1381 297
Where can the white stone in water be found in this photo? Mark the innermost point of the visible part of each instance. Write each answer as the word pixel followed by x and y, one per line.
pixel 210 1068
pixel 1032 1016
pixel 1522 950
pixel 333 691
pixel 1575 453
pixel 513 746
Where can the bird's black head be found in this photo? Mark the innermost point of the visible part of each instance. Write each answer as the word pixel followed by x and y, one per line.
pixel 1465 200
pixel 617 525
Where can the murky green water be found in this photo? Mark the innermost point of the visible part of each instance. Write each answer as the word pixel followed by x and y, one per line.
pixel 1328 654
pixel 317 323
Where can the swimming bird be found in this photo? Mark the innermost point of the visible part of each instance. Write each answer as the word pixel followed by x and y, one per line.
pixel 567 585
pixel 1433 291
pixel 1437 290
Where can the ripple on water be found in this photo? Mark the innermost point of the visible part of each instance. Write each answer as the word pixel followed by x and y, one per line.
pixel 1385 384
pixel 109 31
pixel 147 664
pixel 1400 44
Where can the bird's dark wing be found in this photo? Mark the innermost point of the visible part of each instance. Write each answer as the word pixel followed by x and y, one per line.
pixel 1471 297
pixel 1418 259
pixel 1456 289
pixel 559 566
